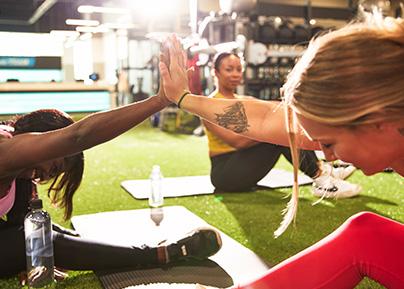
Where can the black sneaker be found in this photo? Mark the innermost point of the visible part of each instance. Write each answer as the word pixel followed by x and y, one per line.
pixel 198 245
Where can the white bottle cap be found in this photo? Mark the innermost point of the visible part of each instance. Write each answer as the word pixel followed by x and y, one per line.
pixel 156 169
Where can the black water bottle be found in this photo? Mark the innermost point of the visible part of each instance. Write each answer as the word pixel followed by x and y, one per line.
pixel 39 247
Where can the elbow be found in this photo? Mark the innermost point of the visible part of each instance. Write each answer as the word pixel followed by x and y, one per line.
pixel 242 144
pixel 238 146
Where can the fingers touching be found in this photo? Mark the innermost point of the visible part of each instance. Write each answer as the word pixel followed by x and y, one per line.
pixel 173 68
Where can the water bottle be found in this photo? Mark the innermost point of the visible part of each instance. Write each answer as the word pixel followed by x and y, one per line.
pixel 39 247
pixel 156 198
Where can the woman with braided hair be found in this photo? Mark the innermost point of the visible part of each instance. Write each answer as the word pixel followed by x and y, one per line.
pixel 46 146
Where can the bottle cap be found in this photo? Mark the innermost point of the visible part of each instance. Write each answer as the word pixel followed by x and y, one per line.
pixel 36 204
pixel 156 169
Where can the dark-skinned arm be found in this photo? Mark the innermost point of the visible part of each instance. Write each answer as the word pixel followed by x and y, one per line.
pixel 26 150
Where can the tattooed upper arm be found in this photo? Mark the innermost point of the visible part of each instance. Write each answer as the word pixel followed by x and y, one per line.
pixel 233 118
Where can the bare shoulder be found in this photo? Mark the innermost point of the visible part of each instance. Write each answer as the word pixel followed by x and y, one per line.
pixel 5 145
pixel 5 184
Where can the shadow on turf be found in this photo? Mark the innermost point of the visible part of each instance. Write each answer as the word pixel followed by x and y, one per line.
pixel 259 215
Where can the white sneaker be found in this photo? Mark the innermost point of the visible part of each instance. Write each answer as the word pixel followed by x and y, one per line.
pixel 327 186
pixel 341 172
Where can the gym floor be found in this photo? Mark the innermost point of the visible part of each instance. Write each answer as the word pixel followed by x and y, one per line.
pixel 248 217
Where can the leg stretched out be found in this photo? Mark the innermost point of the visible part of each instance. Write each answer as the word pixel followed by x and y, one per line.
pixel 365 245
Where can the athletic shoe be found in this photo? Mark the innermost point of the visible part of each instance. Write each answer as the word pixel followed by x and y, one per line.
pixel 198 245
pixel 341 172
pixel 199 131
pixel 327 186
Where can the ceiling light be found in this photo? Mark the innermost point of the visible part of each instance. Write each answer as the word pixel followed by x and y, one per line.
pixel 64 33
pixel 116 25
pixel 312 21
pixel 85 36
pixel 89 29
pixel 226 5
pixel 96 9
pixel 148 8
pixel 82 22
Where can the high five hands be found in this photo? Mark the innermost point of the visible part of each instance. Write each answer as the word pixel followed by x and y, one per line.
pixel 173 69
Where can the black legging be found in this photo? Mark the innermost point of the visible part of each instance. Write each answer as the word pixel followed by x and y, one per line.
pixel 72 253
pixel 242 169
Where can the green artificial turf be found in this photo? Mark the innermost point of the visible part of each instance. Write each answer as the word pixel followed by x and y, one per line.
pixel 249 217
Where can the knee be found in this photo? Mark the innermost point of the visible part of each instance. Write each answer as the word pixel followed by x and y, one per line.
pixel 364 224
pixel 362 219
pixel 229 184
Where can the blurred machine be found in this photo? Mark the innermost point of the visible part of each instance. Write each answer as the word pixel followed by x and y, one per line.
pixel 270 36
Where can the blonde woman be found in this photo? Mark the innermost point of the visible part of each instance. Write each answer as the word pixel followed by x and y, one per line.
pixel 347 95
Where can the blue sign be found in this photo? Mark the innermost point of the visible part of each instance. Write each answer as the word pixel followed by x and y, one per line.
pixel 68 101
pixel 17 61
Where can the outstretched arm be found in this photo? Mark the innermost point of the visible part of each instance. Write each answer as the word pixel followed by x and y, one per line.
pixel 26 150
pixel 257 119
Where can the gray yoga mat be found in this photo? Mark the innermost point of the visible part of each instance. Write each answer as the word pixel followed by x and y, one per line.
pixel 203 272
pixel 172 187
pixel 233 264
pixel 201 185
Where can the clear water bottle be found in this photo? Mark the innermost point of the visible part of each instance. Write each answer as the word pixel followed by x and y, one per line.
pixel 156 198
pixel 39 247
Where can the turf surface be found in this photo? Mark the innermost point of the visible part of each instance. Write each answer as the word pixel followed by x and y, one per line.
pixel 249 217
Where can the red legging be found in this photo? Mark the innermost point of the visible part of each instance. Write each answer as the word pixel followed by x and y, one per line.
pixel 365 245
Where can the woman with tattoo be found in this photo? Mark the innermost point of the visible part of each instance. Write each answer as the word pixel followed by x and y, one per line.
pixel 238 162
pixel 345 96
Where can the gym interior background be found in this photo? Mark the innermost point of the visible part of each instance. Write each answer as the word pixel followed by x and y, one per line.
pixel 83 56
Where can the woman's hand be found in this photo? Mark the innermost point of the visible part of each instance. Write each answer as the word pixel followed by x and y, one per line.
pixel 173 70
pixel 36 275
pixel 164 58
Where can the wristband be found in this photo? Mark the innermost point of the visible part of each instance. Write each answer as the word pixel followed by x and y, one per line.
pixel 182 98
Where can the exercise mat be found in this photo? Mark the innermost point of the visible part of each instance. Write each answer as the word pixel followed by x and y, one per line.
pixel 201 185
pixel 278 178
pixel 172 187
pixel 233 264
pixel 204 272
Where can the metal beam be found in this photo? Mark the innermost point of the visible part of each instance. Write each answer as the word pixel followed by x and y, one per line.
pixel 41 10
pixel 38 13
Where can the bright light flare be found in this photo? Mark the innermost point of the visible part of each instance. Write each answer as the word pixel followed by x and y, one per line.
pixel 88 9
pixel 88 29
pixel 82 22
pixel 64 33
pixel 154 8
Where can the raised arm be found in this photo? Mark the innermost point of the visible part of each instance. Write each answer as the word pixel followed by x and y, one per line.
pixel 256 119
pixel 26 150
